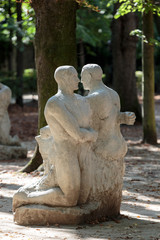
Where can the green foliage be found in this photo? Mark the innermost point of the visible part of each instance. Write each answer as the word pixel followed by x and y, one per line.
pixel 138 33
pixel 28 17
pixel 93 27
pixel 127 6
pixel 10 81
pixel 8 22
pixel 142 6
pixel 87 4
pixel 29 81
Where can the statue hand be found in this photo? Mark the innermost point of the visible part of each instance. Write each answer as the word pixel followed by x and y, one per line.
pixel 45 132
pixel 2 114
pixel 88 135
pixel 130 118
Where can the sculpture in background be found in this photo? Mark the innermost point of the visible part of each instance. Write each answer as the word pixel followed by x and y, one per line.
pixel 5 126
pixel 83 150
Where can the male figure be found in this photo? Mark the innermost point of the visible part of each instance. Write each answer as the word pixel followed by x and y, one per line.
pixel 110 147
pixel 5 126
pixel 68 116
pixel 105 105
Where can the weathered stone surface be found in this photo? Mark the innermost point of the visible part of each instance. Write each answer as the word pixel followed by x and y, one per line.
pixel 66 145
pixel 44 215
pixel 110 146
pixel 5 98
pixel 10 152
pixel 83 150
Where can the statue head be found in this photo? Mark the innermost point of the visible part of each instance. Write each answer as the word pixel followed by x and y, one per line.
pixel 66 77
pixel 91 73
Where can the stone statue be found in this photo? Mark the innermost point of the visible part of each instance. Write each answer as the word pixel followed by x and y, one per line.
pixel 69 117
pixel 83 150
pixel 110 147
pixel 5 126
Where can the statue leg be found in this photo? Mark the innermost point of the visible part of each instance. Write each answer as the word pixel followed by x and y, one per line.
pixel 68 178
pixel 86 167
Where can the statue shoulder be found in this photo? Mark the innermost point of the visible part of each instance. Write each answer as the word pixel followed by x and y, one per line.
pixel 113 92
pixel 5 88
pixel 98 95
pixel 54 102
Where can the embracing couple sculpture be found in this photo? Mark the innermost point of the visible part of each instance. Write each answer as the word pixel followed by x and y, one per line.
pixel 82 146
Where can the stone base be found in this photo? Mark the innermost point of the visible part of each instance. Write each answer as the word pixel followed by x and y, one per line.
pixel 44 215
pixel 10 152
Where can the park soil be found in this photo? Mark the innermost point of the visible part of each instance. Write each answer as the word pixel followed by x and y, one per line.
pixel 140 207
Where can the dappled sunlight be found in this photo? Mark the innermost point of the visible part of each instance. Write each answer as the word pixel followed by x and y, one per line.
pixel 133 158
pixel 147 206
pixel 141 200
pixel 140 216
pixel 28 97
pixel 141 205
pixel 139 196
pixel 30 114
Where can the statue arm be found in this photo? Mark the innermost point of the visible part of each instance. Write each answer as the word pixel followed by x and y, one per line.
pixel 67 121
pixel 45 132
pixel 126 118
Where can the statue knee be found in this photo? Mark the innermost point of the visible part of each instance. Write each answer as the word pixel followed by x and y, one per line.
pixel 71 200
pixel 72 196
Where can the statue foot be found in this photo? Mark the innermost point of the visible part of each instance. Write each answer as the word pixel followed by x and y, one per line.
pixel 19 199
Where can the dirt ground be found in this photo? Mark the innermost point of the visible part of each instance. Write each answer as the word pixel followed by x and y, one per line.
pixel 141 192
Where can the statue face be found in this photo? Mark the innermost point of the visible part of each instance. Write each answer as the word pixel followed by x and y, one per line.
pixel 86 79
pixel 74 80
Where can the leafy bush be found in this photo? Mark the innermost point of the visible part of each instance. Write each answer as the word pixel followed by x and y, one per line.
pixel 9 81
pixel 29 81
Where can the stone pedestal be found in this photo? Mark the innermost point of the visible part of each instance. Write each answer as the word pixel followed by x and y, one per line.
pixel 10 152
pixel 44 215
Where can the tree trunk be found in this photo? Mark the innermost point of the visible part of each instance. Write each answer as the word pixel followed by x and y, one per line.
pixel 124 62
pixel 34 163
pixel 19 57
pixel 55 45
pixel 149 125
